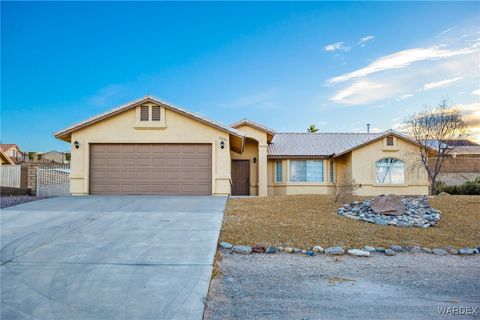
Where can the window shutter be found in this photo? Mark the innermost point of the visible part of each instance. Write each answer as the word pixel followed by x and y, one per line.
pixel 144 113
pixel 156 113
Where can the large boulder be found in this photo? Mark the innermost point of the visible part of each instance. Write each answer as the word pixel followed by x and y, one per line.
pixel 388 205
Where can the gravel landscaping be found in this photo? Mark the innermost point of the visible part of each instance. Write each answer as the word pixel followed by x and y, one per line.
pixel 292 286
pixel 394 211
pixel 8 201
pixel 303 221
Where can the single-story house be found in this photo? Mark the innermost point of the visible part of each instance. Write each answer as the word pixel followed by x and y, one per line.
pixel 462 163
pixel 53 156
pixel 151 147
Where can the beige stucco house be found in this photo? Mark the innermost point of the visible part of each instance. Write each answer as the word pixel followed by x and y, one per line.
pixel 151 147
pixel 53 156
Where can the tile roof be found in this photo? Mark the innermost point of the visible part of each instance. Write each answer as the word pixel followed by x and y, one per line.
pixel 317 144
pixel 6 146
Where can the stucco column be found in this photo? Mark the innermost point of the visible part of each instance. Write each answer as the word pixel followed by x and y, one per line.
pixel 262 171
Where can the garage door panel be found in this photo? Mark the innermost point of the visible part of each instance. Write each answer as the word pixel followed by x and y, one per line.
pixel 188 149
pixel 113 148
pixel 159 149
pixel 113 174
pixel 157 162
pixel 128 148
pixel 150 169
pixel 202 188
pixel 187 162
pixel 144 148
pixel 205 149
pixel 128 161
pixel 174 148
pixel 160 175
pixel 113 161
pixel 202 163
pixel 174 175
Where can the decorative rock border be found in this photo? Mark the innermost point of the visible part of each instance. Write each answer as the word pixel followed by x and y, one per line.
pixel 367 251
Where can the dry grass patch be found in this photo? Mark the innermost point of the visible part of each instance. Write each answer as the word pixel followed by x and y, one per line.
pixel 306 220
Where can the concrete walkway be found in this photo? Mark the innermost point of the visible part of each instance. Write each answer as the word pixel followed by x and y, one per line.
pixel 108 257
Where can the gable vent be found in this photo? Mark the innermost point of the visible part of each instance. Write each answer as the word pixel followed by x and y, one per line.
pixel 144 113
pixel 156 113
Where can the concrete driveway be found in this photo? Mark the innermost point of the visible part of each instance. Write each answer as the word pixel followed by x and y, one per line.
pixel 108 257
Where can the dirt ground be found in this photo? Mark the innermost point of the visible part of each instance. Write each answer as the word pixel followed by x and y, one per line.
pixel 307 220
pixel 294 286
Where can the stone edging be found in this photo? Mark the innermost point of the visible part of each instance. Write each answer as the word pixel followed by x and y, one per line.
pixel 338 250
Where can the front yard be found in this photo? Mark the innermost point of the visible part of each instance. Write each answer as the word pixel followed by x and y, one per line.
pixel 306 220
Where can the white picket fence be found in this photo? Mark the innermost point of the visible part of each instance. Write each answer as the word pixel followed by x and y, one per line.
pixel 53 181
pixel 10 175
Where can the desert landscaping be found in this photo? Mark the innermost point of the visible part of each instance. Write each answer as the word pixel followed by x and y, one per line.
pixel 305 221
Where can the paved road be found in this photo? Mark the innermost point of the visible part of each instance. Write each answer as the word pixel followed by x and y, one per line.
pixel 108 257
pixel 292 286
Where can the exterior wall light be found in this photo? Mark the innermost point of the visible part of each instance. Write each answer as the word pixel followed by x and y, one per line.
pixel 76 144
pixel 222 145
pixel 254 160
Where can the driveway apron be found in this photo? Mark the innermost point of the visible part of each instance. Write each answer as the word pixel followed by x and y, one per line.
pixel 108 257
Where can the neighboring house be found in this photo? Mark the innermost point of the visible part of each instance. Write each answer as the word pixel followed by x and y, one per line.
pixel 53 156
pixel 5 159
pixel 13 152
pixel 150 147
pixel 462 163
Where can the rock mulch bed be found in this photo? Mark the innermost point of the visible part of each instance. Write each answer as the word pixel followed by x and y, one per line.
pixel 393 210
pixel 338 250
pixel 8 201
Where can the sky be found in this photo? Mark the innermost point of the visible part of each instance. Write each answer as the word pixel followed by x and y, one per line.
pixel 338 65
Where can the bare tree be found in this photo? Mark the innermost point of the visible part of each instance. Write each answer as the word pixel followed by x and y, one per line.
pixel 431 128
pixel 345 186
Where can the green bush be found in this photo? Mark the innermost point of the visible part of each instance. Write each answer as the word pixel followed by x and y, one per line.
pixel 468 188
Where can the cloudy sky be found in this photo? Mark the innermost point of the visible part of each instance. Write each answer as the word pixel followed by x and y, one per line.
pixel 286 65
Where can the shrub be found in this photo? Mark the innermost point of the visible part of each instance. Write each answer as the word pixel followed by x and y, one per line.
pixel 467 188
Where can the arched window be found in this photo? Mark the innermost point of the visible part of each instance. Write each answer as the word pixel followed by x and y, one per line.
pixel 390 171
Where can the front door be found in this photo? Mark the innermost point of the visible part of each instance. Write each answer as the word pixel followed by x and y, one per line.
pixel 241 177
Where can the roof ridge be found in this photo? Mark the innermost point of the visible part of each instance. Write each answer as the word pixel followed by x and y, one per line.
pixel 299 132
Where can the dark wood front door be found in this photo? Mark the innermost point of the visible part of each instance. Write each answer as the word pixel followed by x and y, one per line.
pixel 240 177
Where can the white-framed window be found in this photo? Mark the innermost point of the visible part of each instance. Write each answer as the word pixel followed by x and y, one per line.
pixel 306 170
pixel 390 171
pixel 332 171
pixel 278 171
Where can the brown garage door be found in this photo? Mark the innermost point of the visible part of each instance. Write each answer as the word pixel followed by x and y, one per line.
pixel 151 169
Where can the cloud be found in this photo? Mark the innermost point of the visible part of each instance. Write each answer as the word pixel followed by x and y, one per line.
pixel 363 42
pixel 361 92
pixel 441 83
pixel 471 112
pixel 402 59
pixel 476 92
pixel 445 32
pixel 340 46
pixel 404 96
pixel 264 99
